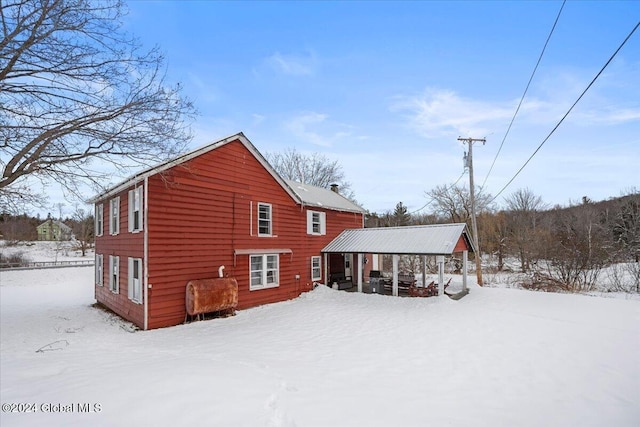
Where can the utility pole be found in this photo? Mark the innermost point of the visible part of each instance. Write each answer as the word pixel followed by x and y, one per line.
pixel 472 199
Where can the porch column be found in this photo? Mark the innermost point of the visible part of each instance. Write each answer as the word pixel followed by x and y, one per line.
pixel 326 269
pixel 440 262
pixel 464 270
pixel 424 271
pixel 394 289
pixel 359 261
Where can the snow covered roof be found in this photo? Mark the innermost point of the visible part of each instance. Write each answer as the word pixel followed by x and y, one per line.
pixel 323 198
pixel 438 239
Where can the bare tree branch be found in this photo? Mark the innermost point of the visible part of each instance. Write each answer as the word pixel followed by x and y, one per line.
pixel 75 89
pixel 314 169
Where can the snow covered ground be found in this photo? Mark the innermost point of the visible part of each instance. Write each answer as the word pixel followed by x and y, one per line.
pixel 498 357
pixel 43 251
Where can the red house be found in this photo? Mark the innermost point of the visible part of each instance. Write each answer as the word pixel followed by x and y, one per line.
pixel 220 205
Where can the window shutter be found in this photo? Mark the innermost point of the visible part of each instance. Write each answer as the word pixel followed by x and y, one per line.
pixel 323 223
pixel 132 198
pixel 140 210
pixel 309 222
pixel 118 216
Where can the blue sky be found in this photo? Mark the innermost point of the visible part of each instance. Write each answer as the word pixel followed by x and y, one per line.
pixel 386 88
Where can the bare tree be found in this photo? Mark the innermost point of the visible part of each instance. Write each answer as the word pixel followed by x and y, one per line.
pixel 82 225
pixel 313 169
pixel 76 90
pixel 452 203
pixel 575 251
pixel 523 210
pixel 625 226
pixel 493 235
pixel 18 228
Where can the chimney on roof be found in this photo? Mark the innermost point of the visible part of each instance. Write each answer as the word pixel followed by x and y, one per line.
pixel 334 188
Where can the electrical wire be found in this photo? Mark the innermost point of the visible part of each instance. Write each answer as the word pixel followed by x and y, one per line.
pixel 569 111
pixel 524 94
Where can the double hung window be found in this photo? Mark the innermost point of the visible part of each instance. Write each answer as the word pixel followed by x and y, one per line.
pixel 264 271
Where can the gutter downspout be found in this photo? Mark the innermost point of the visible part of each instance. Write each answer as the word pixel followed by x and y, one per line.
pixel 146 253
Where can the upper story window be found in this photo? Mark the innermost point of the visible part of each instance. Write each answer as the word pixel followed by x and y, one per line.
pixel 114 215
pixel 265 225
pixel 99 219
pixel 135 210
pixel 316 223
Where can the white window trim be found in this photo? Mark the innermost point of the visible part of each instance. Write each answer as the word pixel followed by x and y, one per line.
pixel 323 223
pixel 114 270
pixel 270 219
pixel 99 269
pixel 135 195
pixel 319 268
pixel 132 287
pixel 264 271
pixel 99 219
pixel 114 220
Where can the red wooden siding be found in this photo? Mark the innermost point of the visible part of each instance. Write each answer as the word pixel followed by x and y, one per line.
pixel 201 211
pixel 461 245
pixel 125 245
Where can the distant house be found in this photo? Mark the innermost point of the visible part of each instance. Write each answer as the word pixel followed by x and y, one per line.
pixel 220 205
pixel 54 230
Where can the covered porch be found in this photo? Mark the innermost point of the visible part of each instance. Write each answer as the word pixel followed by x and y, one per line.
pixel 360 247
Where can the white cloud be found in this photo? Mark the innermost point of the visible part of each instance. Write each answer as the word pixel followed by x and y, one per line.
pixel 292 64
pixel 316 128
pixel 437 113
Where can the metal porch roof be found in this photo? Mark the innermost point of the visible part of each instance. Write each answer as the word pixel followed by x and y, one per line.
pixel 438 239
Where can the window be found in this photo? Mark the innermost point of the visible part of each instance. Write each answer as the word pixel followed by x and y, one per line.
pixel 99 269
pixel 135 210
pixel 316 271
pixel 264 271
pixel 316 223
pixel 114 215
pixel 98 219
pixel 114 274
pixel 264 219
pixel 135 280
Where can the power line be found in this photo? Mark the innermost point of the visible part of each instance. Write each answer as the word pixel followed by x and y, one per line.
pixel 524 94
pixel 569 111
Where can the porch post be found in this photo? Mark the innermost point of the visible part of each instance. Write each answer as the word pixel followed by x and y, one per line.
pixel 424 271
pixel 394 289
pixel 440 262
pixel 464 270
pixel 326 269
pixel 359 261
